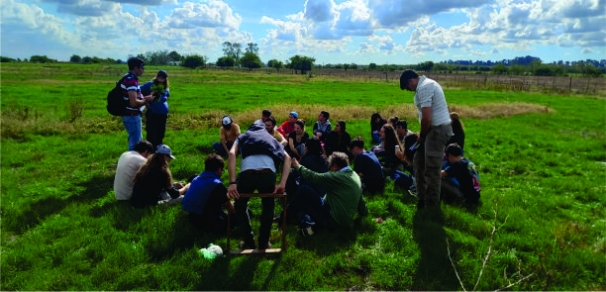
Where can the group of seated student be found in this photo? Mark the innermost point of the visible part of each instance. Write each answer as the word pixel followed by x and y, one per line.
pixel 323 190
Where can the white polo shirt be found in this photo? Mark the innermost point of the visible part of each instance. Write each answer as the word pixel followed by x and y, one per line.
pixel 430 94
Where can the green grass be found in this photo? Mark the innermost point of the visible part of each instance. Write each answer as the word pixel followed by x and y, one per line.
pixel 543 173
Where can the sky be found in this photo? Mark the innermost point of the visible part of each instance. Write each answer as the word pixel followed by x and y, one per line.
pixel 331 31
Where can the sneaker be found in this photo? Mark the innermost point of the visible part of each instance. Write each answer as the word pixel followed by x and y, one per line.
pixel 307 231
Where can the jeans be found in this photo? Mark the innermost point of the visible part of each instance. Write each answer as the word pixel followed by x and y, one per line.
pixel 133 127
pixel 219 148
pixel 310 209
pixel 248 183
pixel 155 127
pixel 402 179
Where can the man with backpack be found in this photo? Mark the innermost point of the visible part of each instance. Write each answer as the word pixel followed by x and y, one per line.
pixel 132 101
pixel 459 177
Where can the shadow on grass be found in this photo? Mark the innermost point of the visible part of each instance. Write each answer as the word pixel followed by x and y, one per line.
pixel 39 210
pixel 434 271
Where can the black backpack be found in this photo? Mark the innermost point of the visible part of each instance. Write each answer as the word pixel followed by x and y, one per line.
pixel 116 105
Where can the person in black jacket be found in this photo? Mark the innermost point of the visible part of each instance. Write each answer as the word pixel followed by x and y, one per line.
pixel 154 182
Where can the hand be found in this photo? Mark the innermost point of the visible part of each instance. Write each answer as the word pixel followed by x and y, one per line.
pixel 319 134
pixel 232 192
pixel 178 185
pixel 400 154
pixel 149 97
pixel 279 189
pixel 294 163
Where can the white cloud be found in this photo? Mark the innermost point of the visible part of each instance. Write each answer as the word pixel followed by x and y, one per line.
pixel 213 14
pixel 319 10
pixel 144 2
pixel 85 7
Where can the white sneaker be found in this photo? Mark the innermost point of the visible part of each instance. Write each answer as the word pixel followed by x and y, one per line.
pixel 307 231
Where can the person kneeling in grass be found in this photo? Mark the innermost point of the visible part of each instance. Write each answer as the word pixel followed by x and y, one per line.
pixel 459 177
pixel 336 208
pixel 154 182
pixel 368 167
pixel 207 196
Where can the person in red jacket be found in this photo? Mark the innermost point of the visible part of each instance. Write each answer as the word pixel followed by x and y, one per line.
pixel 289 125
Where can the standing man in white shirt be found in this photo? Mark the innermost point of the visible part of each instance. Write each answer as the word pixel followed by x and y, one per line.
pixel 128 165
pixel 435 132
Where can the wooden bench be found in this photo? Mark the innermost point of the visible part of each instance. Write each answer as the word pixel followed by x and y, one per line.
pixel 282 229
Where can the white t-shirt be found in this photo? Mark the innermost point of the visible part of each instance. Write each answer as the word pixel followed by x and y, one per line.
pixel 430 94
pixel 128 165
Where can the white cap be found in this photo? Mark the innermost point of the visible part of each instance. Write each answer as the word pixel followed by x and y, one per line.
pixel 227 121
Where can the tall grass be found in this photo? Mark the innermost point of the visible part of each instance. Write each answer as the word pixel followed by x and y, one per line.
pixel 542 161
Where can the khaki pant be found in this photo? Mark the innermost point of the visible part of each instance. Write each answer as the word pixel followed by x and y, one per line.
pixel 427 163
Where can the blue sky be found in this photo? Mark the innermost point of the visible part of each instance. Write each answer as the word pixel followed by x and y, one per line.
pixel 332 31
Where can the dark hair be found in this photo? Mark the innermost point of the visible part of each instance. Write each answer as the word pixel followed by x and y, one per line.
pixel 213 162
pixel 391 140
pixel 457 125
pixel 134 62
pixel 374 125
pixel 408 142
pixel 161 73
pixel 155 161
pixel 342 125
pixel 407 75
pixel 454 149
pixel 272 120
pixel 301 124
pixel 357 142
pixel 402 124
pixel 143 146
pixel 394 120
pixel 313 147
pixel 266 113
pixel 325 114
pixel 338 159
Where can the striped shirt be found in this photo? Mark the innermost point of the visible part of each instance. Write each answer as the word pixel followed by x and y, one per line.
pixel 430 94
pixel 130 82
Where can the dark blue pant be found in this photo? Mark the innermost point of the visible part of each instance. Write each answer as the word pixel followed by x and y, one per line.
pixel 310 209
pixel 401 179
pixel 248 183
pixel 155 126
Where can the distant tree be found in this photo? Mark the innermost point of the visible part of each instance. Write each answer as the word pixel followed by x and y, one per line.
pixel 252 48
pixel 301 63
pixel 75 59
pixel 500 69
pixel 142 57
pixel 543 70
pixel 338 66
pixel 251 60
pixel 345 66
pixel 353 66
pixel 517 70
pixel 157 58
pixel 225 62
pixel 41 59
pixel 233 50
pixel 119 61
pixel 372 66
pixel 87 60
pixel 273 63
pixel 193 61
pixel 6 59
pixel 174 56
pixel 425 66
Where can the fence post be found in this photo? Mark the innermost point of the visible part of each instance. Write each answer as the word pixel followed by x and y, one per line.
pixel 570 85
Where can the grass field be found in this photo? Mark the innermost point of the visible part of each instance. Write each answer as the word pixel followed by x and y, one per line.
pixel 542 160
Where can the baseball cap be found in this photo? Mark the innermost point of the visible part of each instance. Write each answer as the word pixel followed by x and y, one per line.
pixel 226 121
pixel 162 73
pixel 294 114
pixel 164 149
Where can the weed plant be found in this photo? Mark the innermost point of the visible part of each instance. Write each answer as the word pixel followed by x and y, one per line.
pixel 542 161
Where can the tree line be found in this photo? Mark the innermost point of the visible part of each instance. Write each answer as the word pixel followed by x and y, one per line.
pixel 236 55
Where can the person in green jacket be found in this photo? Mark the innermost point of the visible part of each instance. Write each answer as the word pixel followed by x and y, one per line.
pixel 336 208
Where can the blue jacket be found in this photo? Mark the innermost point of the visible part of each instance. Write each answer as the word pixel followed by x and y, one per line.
pixel 159 106
pixel 199 191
